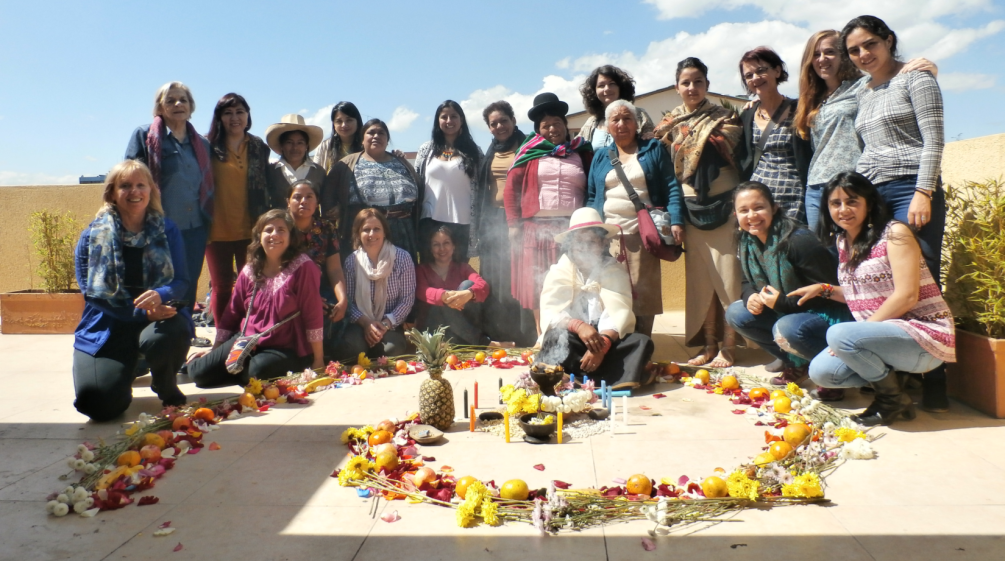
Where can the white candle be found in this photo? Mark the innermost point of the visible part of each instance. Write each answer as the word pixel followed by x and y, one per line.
pixel 624 408
pixel 612 415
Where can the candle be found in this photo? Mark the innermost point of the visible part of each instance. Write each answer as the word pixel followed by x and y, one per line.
pixel 559 427
pixel 624 407
pixel 613 417
pixel 603 393
pixel 500 391
pixel 465 402
pixel 506 422
pixel 476 395
pixel 472 418
pixel 609 393
pixel 572 379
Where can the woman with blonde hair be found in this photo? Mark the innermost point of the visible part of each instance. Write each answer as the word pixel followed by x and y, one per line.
pixel 131 270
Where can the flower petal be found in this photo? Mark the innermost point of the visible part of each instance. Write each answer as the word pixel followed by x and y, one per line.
pixel 390 517
pixel 148 500
pixel 648 544
pixel 214 446
pixel 659 395
pixel 166 524
pixel 539 467
pixel 178 547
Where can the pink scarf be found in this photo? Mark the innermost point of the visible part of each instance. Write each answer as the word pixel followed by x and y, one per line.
pixel 157 131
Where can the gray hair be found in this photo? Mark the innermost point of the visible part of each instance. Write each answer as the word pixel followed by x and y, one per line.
pixel 162 94
pixel 619 103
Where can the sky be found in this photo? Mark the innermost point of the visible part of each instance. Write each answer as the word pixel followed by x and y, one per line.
pixel 76 78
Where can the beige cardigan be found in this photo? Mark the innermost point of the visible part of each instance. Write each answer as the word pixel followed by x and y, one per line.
pixel 562 284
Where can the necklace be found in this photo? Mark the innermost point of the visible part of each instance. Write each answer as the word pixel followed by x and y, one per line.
pixel 448 153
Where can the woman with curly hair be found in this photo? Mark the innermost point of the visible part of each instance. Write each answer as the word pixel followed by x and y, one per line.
pixel 606 84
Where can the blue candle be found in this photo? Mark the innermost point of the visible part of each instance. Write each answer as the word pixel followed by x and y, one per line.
pixel 603 393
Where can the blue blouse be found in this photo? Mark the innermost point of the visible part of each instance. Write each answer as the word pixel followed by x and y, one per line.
pixel 180 176
pixel 661 181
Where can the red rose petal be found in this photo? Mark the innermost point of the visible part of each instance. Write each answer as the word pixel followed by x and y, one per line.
pixel 165 525
pixel 148 500
pixel 644 407
pixel 647 544
pixel 561 484
pixel 659 395
pixel 539 467
pixel 178 547
pixel 739 411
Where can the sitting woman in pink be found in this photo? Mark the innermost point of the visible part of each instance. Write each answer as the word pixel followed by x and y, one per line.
pixel 277 293
pixel 450 293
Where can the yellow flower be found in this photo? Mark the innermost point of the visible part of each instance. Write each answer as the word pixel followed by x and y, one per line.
pixel 254 387
pixel 506 391
pixel 132 429
pixel 476 493
pixel 363 361
pixel 490 513
pixel 718 391
pixel 346 435
pixel 346 477
pixel 360 464
pixel 533 404
pixel 805 486
pixel 793 389
pixel 847 435
pixel 742 487
pixel 465 515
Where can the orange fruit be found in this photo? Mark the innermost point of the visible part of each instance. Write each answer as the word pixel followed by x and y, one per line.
pixel 401 367
pixel 357 369
pixel 763 459
pixel 479 357
pixel 246 400
pixel 181 424
pixel 379 437
pixel 452 360
pixel 154 439
pixel 702 376
pixel 775 394
pixel 639 484
pixel 271 392
pixel 671 369
pixel 796 434
pixel 730 383
pixel 387 459
pixel 462 485
pixel 714 487
pixel 782 405
pixel 204 414
pixel 501 353
pixel 150 452
pixel 780 450
pixel 514 490
pixel 758 393
pixel 129 458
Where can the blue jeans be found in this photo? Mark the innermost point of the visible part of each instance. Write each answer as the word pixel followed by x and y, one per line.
pixel 803 335
pixel 812 203
pixel 897 195
pixel 195 250
pixel 867 352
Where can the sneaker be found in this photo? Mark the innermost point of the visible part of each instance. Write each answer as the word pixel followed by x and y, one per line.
pixel 791 375
pixel 827 394
pixel 201 342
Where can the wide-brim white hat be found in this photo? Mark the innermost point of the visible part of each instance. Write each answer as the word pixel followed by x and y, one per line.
pixel 587 217
pixel 293 122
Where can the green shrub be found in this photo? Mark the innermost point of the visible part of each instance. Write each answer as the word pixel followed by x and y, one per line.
pixel 54 237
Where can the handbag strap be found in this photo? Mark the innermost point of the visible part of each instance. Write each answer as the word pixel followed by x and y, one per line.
pixel 776 117
pixel 272 327
pixel 247 315
pixel 616 163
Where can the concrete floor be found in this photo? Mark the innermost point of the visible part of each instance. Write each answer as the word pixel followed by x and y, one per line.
pixel 937 490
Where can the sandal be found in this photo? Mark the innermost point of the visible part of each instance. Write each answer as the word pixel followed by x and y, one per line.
pixel 706 356
pixel 725 358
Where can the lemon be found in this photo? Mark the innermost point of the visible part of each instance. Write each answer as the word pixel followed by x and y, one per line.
pixel 515 490
pixel 702 376
pixel 782 405
pixel 462 485
pixel 780 450
pixel 796 434
pixel 386 460
pixel 714 487
pixel 763 459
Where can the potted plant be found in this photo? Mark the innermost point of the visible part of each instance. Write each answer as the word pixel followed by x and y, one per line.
pixel 974 270
pixel 58 306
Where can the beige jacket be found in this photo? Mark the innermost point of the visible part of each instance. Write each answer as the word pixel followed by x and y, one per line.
pixel 563 283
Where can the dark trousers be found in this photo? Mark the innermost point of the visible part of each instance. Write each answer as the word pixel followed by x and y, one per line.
pixel 221 258
pixel 195 249
pixel 103 382
pixel 463 326
pixel 805 334
pixel 354 342
pixel 625 362
pixel 461 234
pixel 210 370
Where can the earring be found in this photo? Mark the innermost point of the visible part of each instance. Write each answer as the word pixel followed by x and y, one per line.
pixel 870 225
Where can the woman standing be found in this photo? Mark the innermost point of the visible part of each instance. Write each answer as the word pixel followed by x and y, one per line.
pixel 778 256
pixel 293 139
pixel 649 169
pixel 346 138
pixel 240 170
pixel 605 85
pixel 380 284
pixel 376 178
pixel 902 323
pixel 502 317
pixel 320 243
pixel 448 167
pixel 277 296
pixel 771 152
pixel 179 161
pixel 545 185
pixel 701 137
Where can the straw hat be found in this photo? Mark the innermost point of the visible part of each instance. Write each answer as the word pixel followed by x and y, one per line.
pixel 587 217
pixel 293 122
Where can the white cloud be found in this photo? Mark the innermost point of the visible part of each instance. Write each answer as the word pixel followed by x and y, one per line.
pixel 963 81
pixel 322 117
pixel 564 63
pixel 401 119
pixel 34 178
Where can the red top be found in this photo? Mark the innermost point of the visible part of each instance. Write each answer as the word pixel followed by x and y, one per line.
pixel 429 287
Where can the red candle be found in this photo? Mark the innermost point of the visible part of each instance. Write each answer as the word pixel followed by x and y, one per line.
pixel 476 395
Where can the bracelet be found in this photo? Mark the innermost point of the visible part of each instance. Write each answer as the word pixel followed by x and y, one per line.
pixel 924 192
pixel 607 343
pixel 574 325
pixel 828 290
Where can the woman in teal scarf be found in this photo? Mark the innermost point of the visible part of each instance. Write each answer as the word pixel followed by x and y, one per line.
pixel 778 256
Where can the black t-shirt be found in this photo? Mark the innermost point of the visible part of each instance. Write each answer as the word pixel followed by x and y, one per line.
pixel 133 258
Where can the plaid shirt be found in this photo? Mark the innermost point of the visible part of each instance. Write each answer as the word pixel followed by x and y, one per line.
pixel 901 128
pixel 400 287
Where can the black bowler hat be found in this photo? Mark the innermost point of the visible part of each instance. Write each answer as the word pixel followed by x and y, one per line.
pixel 547 101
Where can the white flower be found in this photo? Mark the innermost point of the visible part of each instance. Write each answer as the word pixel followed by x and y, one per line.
pixel 63 498
pixel 80 494
pixel 858 449
pixel 847 423
pixel 89 513
pixel 50 506
pixel 71 462
pixel 829 426
pixel 61 509
pixel 167 453
pixel 79 507
pixel 81 449
pixel 233 415
pixel 87 456
pixel 79 465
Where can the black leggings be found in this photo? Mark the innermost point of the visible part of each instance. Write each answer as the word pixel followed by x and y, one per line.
pixel 103 382
pixel 210 370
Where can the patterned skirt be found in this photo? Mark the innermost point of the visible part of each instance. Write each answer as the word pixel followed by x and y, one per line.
pixel 532 259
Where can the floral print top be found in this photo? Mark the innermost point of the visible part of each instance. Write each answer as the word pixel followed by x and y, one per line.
pixel 320 241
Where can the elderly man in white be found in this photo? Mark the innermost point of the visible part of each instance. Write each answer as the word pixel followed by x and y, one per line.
pixel 586 309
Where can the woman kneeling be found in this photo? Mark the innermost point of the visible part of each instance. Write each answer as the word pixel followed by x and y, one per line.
pixel 902 322
pixel 276 297
pixel 586 309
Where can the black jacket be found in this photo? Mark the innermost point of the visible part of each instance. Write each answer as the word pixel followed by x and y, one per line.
pixel 745 150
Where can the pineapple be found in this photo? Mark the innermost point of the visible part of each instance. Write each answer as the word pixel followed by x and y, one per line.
pixel 436 397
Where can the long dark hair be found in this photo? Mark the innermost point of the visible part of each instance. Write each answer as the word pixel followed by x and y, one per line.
pixel 347 108
pixel 256 255
pixel 876 220
pixel 216 137
pixel 782 226
pixel 464 143
pixel 592 103
pixel 873 25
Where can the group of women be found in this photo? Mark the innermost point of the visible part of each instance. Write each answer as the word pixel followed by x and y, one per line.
pixel 801 219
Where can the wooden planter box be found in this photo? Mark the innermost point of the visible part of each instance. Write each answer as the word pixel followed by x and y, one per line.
pixel 34 311
pixel 977 378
